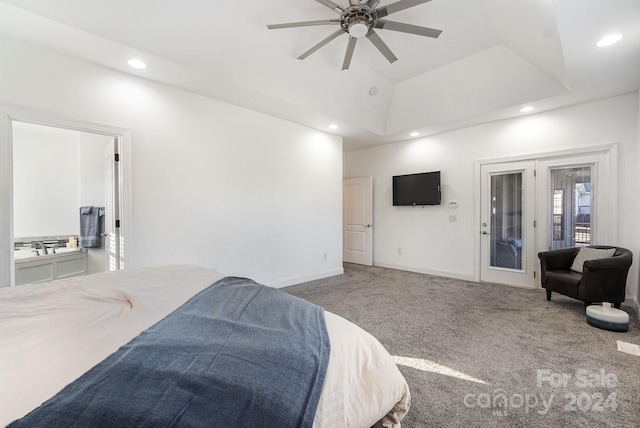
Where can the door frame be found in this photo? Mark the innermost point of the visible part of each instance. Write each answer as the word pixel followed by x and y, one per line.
pixel 609 171
pixel 8 115
pixel 111 233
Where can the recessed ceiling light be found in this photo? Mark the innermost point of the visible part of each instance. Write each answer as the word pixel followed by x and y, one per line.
pixel 526 109
pixel 414 134
pixel 609 40
pixel 333 126
pixel 136 63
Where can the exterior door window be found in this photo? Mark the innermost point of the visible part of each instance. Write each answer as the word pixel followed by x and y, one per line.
pixel 571 221
pixel 506 220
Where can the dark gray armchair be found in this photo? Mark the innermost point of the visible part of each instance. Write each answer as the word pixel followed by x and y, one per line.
pixel 601 280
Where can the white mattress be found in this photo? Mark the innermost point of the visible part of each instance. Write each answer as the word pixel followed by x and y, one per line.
pixel 52 333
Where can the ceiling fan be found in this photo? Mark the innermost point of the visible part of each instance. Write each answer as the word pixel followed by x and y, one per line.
pixel 360 19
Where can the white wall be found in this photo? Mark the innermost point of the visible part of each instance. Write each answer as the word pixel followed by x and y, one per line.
pixel 213 184
pixel 429 241
pixel 46 189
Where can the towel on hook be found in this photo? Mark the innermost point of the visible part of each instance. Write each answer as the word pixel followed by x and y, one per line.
pixel 90 226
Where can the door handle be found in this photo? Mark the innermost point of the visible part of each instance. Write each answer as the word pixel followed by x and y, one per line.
pixel 484 232
pixel 367 225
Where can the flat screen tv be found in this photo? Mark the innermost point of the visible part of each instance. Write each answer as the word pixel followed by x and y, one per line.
pixel 416 189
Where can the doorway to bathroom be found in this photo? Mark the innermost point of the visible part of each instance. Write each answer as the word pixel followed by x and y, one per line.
pixel 53 166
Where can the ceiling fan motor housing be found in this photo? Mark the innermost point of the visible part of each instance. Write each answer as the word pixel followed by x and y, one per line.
pixel 357 20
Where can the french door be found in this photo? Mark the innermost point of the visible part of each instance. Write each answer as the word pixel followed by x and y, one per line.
pixel 572 200
pixel 507 234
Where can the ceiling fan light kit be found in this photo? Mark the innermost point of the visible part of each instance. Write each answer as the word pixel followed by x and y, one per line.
pixel 358 29
pixel 360 20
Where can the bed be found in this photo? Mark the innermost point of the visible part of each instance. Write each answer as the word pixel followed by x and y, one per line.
pixel 54 334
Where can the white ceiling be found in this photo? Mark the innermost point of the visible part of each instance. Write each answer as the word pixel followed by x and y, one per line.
pixel 493 57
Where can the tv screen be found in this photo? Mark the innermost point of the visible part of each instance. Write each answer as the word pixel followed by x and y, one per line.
pixel 416 189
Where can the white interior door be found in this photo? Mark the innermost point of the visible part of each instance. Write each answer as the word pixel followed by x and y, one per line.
pixel 112 209
pixel 508 254
pixel 357 220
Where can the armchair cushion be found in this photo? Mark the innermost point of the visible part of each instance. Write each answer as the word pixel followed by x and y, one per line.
pixel 586 253
pixel 563 281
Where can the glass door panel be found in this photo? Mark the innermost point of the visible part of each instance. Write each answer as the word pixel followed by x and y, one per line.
pixel 571 218
pixel 506 220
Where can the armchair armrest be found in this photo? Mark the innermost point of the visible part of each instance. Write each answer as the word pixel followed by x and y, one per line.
pixel 604 280
pixel 622 261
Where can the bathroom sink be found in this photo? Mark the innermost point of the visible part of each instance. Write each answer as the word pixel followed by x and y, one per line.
pixel 27 252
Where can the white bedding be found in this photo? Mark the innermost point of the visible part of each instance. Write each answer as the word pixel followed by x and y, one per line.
pixel 51 333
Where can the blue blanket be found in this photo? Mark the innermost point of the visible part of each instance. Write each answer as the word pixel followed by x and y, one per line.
pixel 238 354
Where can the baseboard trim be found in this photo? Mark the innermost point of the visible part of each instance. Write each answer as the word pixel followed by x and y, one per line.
pixel 417 269
pixel 636 307
pixel 301 279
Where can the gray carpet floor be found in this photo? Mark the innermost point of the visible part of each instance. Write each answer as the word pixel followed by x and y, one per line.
pixel 483 355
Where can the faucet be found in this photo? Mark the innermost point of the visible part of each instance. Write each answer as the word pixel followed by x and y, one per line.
pixel 35 245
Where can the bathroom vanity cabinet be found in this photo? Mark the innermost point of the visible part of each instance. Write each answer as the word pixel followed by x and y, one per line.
pixel 51 266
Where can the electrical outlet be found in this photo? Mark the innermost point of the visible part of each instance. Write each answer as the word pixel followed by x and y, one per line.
pixel 324 256
pixel 453 218
pixel 399 250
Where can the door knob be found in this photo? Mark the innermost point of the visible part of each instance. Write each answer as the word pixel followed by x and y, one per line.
pixel 484 232
pixel 367 225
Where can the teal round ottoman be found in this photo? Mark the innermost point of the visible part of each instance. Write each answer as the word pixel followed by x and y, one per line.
pixel 607 318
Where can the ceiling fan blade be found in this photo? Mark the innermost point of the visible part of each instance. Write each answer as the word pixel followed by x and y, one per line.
pixel 337 33
pixel 331 5
pixel 407 28
pixel 382 47
pixel 303 24
pixel 349 54
pixel 354 2
pixel 397 7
